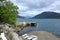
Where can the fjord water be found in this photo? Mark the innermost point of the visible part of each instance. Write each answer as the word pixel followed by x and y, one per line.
pixel 50 25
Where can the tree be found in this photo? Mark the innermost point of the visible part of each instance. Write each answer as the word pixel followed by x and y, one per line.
pixel 8 12
pixel 2 0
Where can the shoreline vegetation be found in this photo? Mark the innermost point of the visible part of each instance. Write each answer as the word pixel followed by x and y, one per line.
pixel 8 13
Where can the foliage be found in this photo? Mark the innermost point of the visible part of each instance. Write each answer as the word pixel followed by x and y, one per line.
pixel 8 13
pixel 2 0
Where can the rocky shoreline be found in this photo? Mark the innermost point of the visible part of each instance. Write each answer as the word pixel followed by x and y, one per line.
pixel 11 33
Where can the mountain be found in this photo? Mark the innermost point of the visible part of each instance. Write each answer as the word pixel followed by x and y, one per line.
pixel 48 15
pixel 20 16
pixel 23 17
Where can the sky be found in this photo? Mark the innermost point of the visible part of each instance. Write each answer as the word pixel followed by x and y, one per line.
pixel 31 8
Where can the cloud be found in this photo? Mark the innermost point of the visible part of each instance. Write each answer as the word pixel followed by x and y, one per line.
pixel 33 4
pixel 55 7
pixel 30 8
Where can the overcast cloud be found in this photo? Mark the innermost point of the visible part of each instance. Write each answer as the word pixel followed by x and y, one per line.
pixel 30 8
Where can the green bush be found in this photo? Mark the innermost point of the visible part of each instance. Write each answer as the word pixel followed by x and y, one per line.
pixel 8 13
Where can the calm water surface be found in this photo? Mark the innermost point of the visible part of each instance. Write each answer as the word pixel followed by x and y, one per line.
pixel 50 25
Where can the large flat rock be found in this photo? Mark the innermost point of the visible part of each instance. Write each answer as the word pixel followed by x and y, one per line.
pixel 43 35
